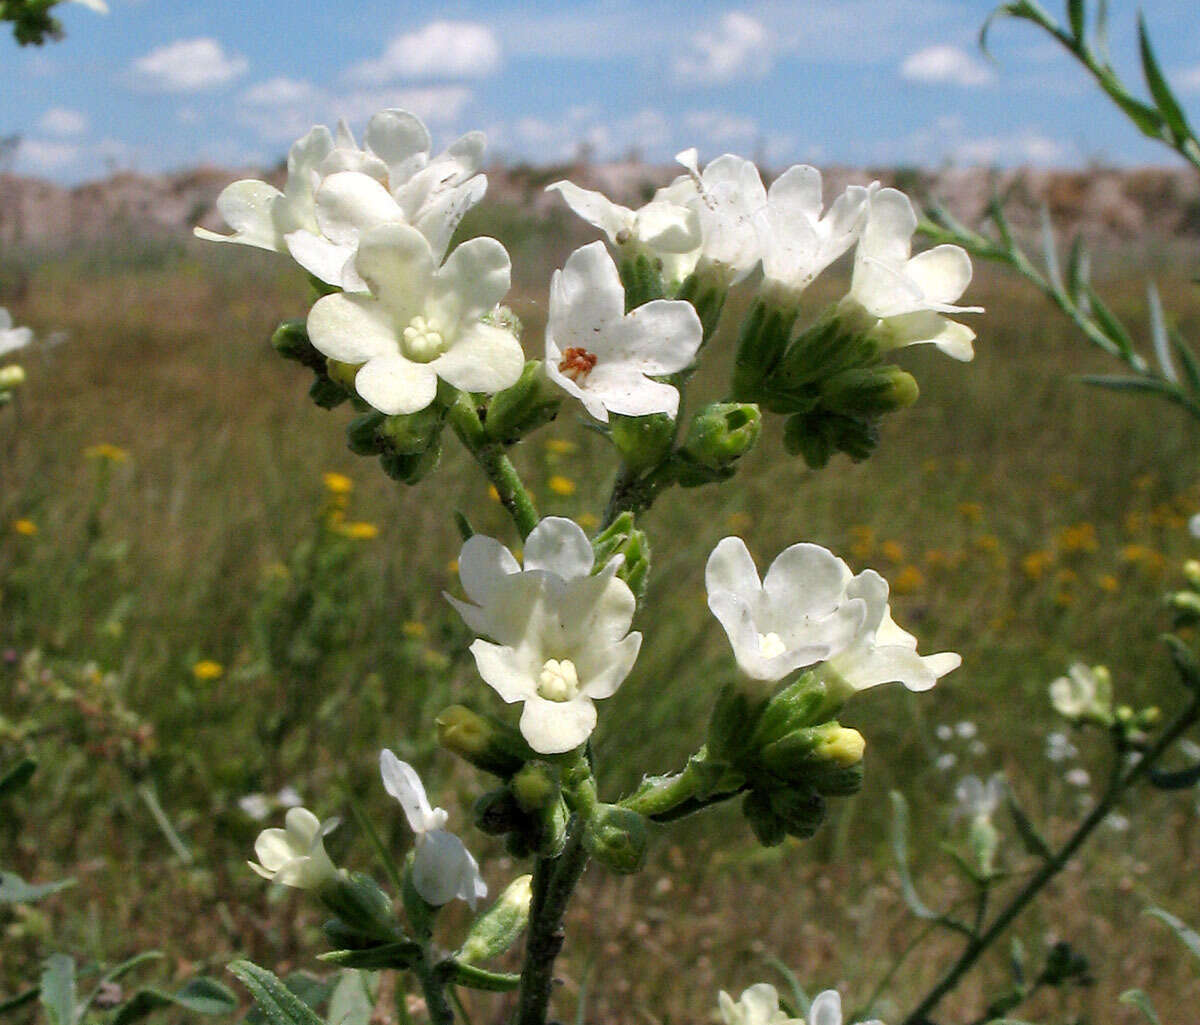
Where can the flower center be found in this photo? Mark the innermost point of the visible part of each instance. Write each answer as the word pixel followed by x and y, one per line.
pixel 423 343
pixel 770 645
pixel 558 680
pixel 577 363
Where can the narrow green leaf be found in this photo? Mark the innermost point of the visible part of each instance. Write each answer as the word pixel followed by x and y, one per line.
pixel 1075 15
pixel 1117 383
pixel 1025 10
pixel 126 966
pixel 1182 779
pixel 1158 335
pixel 280 1005
pixel 1028 832
pixel 14 889
pixel 388 955
pixel 1136 998
pixel 1168 106
pixel 1079 269
pixel 1187 358
pixel 900 851
pixel 1187 935
pixel 1100 34
pixel 480 978
pixel 1185 661
pixel 58 989
pixel 17 777
pixel 800 996
pixel 1113 329
pixel 1050 250
pixel 465 530
pixel 20 1000
pixel 200 996
pixel 381 849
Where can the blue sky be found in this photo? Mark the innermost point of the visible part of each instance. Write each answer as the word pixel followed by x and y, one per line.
pixel 161 84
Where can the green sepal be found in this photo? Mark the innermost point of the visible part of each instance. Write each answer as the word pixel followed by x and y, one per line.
pixel 869 391
pixel 327 393
pixel 291 341
pixel 414 433
pixel 482 740
pixel 820 435
pixel 362 434
pixel 498 928
pixel 412 468
pixel 719 435
pixel 472 977
pixel 642 441
pixel 419 912
pixel 388 955
pixel 802 810
pixel 616 837
pixel 361 905
pixel 641 275
pixel 622 537
pixel 523 407
pixel 497 813
pixel 769 828
pixel 803 702
pixel 707 297
pixel 735 716
pixel 762 342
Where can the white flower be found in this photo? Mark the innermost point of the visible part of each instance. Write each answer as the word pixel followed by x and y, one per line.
pixel 882 652
pixel 966 729
pixel 1059 747
pixel 758 1005
pixel 12 338
pixel 442 866
pixel 561 632
pixel 421 322
pixel 1078 777
pixel 99 6
pixel 797 615
pixel 727 197
pixel 826 1009
pixel 1083 694
pixel 1194 525
pixel 295 855
pixel 432 195
pixel 257 806
pixel 669 231
pixel 606 357
pixel 909 294
pixel 979 800
pixel 797 242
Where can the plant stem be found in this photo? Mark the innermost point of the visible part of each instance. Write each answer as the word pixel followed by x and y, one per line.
pixel 514 496
pixel 1055 864
pixel 554 880
pixel 440 1012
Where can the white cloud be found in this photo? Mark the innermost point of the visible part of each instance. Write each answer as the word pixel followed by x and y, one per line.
pixel 47 155
pixel 1025 148
pixel 279 92
pixel 440 50
pixel 739 47
pixel 945 64
pixel 188 66
pixel 62 122
pixel 1187 80
pixel 720 128
pixel 647 132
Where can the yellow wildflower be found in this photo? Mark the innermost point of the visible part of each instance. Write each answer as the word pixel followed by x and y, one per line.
pixel 1063 599
pixel 105 451
pixel 970 511
pixel 359 530
pixel 893 551
pixel 452 566
pixel 493 494
pixel 207 669
pixel 26 527
pixel 987 543
pixel 740 521
pixel 1148 558
pixel 337 483
pixel 560 485
pixel 1107 582
pixel 1134 522
pixel 908 581
pixel 1078 537
pixel 1035 564
pixel 589 521
pixel 1145 481
pixel 411 628
pixel 864 541
pixel 276 571
pixel 560 446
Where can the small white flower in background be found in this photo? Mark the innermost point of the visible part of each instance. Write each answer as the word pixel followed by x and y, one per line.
pixel 421 322
pixel 561 633
pixel 727 196
pixel 288 797
pixel 796 240
pixel 1059 747
pixel 667 230
pixel 758 1005
pixel 1084 693
pixel 1117 822
pixel 946 761
pixel 908 294
pixel 442 866
pixel 966 729
pixel 1194 525
pixel 978 800
pixel 12 338
pixel 295 855
pixel 1078 777
pixel 797 615
pixel 257 806
pixel 944 732
pixel 605 357
pixel 826 1009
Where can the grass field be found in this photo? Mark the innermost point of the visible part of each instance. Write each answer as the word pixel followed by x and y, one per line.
pixel 1023 519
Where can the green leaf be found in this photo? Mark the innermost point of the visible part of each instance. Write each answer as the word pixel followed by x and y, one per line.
pixel 1116 382
pixel 1050 251
pixel 1187 935
pixel 1100 35
pixel 1079 269
pixel 1136 998
pixel 352 1002
pixel 1191 367
pixel 279 1004
pixel 1184 779
pixel 312 991
pixel 480 978
pixel 1026 10
pixel 1186 663
pixel 1168 106
pixel 387 955
pixel 200 995
pixel 58 989
pixel 1028 832
pixel 17 777
pixel 1113 329
pixel 1158 334
pixel 900 850
pixel 14 889
pixel 1077 19
pixel 800 998
pixel 20 1000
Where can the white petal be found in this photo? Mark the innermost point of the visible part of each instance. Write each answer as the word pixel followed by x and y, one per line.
pixel 349 204
pixel 552 727
pixel 797 193
pixel 476 618
pixel 439 865
pixel 351 328
pixel 599 677
pixel 595 208
pixel 737 620
pixel 482 564
pixel 504 671
pixel 954 339
pixel 731 568
pixel 396 136
pixel 806 580
pixel 246 207
pixel 887 235
pixel 553 356
pixel 395 385
pixel 659 337
pixel 624 389
pixel 588 297
pixel 401 781
pixel 439 218
pixel 321 258
pixel 275 849
pixel 396 262
pixel 668 227
pixel 474 278
pixel 560 546
pixel 942 272
pixel 761 1004
pixel 826 1009
pixel 484 359
pixel 596 610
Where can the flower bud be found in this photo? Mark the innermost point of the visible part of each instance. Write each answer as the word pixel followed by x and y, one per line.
pixel 327 393
pixel 621 537
pixel 983 841
pixel 642 441
pixel 485 742
pixel 497 929
pixel 829 746
pixel 1186 606
pixel 11 376
pixel 825 349
pixel 801 809
pixel 706 293
pixel 362 434
pixel 719 435
pixel 497 813
pixel 763 339
pixel 342 374
pixel 1191 572
pixel 521 409
pixel 769 828
pixel 535 787
pixel 641 275
pixel 414 433
pixel 414 467
pixel 290 340
pixel 820 435
pixel 803 702
pixel 361 906
pixel 869 391
pixel 616 837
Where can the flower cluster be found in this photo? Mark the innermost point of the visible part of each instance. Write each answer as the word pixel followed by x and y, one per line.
pixel 11 339
pixel 759 1005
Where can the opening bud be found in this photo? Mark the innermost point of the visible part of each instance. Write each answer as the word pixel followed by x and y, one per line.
pixel 869 391
pixel 621 537
pixel 616 837
pixel 811 752
pixel 11 376
pixel 497 929
pixel 485 742
pixel 820 435
pixel 414 433
pixel 719 435
pixel 521 409
pixel 642 441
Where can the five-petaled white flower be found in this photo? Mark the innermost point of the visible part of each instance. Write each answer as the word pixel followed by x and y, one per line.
pixel 797 241
pixel 1084 693
pixel 907 295
pixel 12 338
pixel 799 614
pixel 561 632
pixel 606 357
pixel 727 197
pixel 758 1005
pixel 669 231
pixel 442 866
pixel 421 322
pixel 295 855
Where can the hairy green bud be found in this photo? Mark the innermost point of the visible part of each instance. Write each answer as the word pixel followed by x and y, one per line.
pixel 536 786
pixel 414 433
pixel 762 341
pixel 641 275
pixel 497 812
pixel 719 435
pixel 291 341
pixel 642 441
pixel 497 929
pixel 361 906
pixel 815 749
pixel 801 809
pixel 803 702
pixel 769 828
pixel 616 837
pixel 731 728
pixel 524 407
pixel 485 742
pixel 869 391
pixel 821 435
pixel 414 467
pixel 621 537
pixel 362 434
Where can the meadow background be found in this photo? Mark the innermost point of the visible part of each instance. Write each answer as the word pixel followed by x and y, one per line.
pixel 182 625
